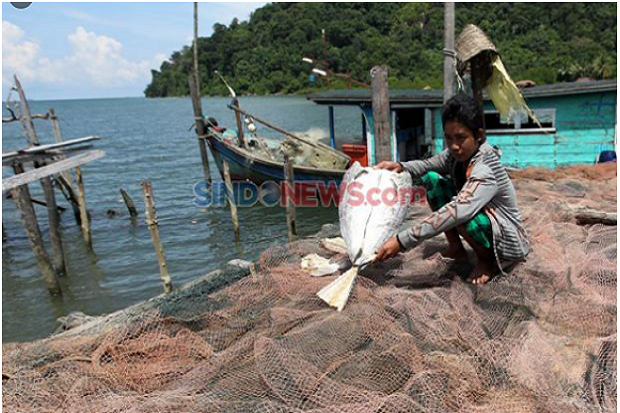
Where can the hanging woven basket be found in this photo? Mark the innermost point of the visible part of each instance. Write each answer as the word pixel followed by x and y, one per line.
pixel 471 42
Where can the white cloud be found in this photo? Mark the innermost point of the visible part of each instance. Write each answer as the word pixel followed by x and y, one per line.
pixel 21 57
pixel 93 61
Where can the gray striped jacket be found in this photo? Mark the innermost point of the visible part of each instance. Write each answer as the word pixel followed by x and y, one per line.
pixel 487 188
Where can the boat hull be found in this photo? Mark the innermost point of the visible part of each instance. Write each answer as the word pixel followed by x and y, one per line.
pixel 245 167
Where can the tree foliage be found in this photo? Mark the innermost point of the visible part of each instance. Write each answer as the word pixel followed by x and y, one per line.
pixel 544 42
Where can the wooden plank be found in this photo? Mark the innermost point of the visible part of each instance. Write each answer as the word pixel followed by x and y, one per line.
pixel 591 217
pixel 21 195
pixel 381 113
pixel 151 222
pixel 56 167
pixel 44 148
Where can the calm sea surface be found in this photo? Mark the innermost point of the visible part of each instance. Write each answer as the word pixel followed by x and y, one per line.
pixel 143 138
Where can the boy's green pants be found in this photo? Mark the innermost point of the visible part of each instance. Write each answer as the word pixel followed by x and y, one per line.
pixel 440 191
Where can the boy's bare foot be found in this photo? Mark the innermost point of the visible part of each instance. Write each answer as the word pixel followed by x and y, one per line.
pixel 457 254
pixel 482 273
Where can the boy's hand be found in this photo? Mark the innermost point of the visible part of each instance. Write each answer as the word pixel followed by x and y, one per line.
pixel 390 166
pixel 388 250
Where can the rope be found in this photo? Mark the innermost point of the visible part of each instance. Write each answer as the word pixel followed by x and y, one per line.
pixel 449 53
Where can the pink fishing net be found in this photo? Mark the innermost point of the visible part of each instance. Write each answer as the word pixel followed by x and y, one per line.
pixel 414 336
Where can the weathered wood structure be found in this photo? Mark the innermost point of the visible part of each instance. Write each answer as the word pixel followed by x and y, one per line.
pixel 51 163
pixel 153 225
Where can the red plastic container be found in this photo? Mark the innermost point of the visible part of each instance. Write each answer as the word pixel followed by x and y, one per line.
pixel 357 153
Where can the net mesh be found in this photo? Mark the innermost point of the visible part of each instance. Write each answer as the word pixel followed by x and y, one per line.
pixel 413 337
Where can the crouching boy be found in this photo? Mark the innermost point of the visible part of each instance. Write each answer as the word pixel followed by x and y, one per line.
pixel 470 194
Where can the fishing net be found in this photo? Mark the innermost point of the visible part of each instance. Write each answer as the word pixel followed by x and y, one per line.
pixel 414 336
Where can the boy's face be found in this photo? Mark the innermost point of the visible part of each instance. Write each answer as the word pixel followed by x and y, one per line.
pixel 460 140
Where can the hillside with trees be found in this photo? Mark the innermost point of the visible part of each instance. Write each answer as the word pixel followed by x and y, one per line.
pixel 543 42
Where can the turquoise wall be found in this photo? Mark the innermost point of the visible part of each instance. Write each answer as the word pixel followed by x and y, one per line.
pixel 584 127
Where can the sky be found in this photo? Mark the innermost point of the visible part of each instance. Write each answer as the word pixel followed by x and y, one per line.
pixel 99 50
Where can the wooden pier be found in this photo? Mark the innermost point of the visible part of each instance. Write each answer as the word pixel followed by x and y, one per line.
pixel 47 164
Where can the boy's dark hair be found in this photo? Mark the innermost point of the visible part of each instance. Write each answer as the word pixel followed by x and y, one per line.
pixel 463 109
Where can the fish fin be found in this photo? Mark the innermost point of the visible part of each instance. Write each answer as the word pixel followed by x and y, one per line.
pixel 336 294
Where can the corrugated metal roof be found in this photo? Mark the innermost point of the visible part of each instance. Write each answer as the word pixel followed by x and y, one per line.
pixel 433 97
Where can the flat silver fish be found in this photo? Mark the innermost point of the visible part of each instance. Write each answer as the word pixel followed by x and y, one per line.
pixel 371 210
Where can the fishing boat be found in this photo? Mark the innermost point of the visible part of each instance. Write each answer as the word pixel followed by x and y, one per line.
pixel 249 157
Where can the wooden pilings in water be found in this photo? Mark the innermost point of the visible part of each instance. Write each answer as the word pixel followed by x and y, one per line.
pixel 194 90
pixel 85 224
pixel 230 196
pixel 84 219
pixel 290 205
pixel 58 139
pixel 131 207
pixel 21 195
pixel 58 257
pixel 151 222
pixel 200 128
pixel 49 161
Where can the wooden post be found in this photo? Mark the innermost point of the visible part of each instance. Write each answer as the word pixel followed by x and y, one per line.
pixel 194 89
pixel 21 195
pixel 478 82
pixel 290 206
pixel 364 131
pixel 381 113
pixel 448 51
pixel 200 129
pixel 195 49
pixel 58 257
pixel 230 196
pixel 151 222
pixel 58 139
pixel 332 129
pixel 26 118
pixel 235 103
pixel 131 207
pixel 84 218
pixel 67 190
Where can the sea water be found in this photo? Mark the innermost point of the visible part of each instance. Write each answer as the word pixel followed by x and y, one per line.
pixel 144 139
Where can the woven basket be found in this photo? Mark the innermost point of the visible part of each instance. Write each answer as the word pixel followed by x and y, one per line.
pixel 471 42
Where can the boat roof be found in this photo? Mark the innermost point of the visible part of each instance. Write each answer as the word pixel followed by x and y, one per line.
pixel 434 97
